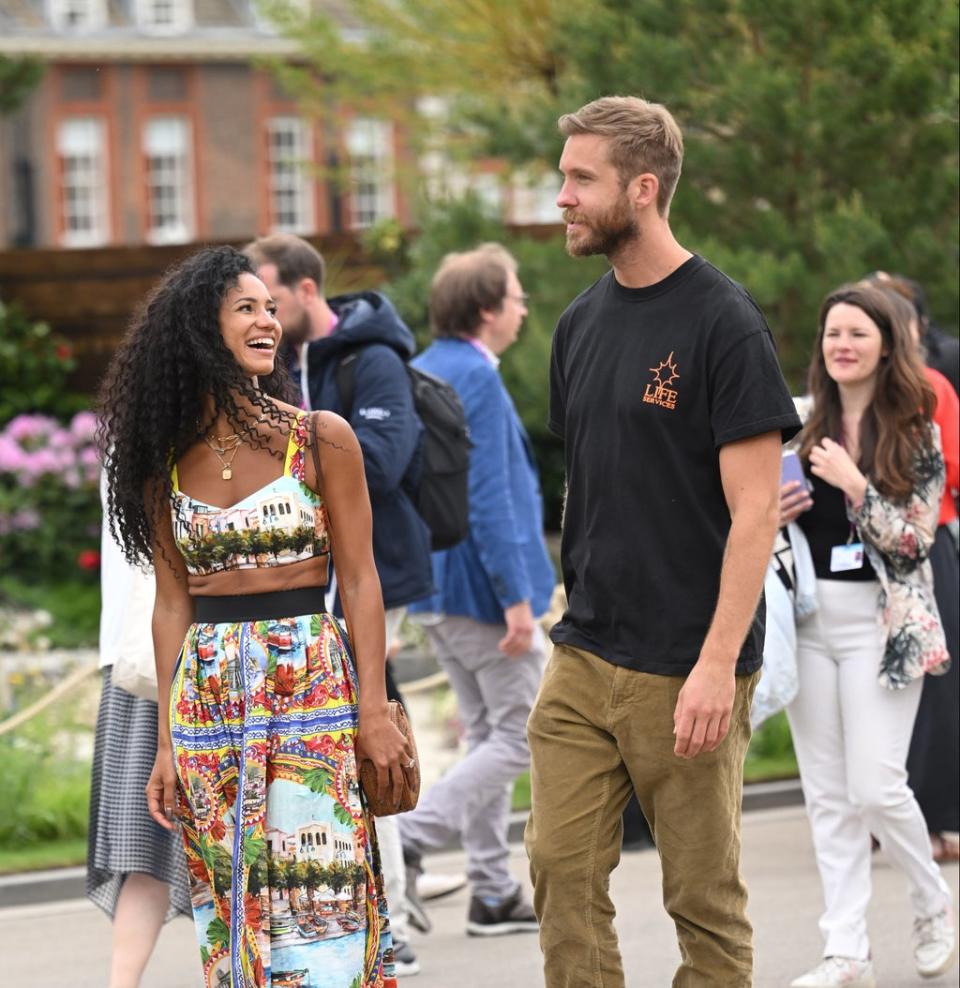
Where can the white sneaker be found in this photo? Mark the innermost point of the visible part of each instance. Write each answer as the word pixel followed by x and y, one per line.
pixel 834 972
pixel 934 943
pixel 435 885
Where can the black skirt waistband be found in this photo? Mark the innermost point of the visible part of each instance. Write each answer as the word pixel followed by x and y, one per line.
pixel 260 606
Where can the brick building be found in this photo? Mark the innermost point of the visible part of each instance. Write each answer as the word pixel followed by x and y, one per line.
pixel 152 125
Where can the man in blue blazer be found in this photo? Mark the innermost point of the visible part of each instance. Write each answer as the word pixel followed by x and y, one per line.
pixel 490 588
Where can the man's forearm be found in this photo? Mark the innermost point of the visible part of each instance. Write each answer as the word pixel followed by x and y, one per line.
pixel 745 561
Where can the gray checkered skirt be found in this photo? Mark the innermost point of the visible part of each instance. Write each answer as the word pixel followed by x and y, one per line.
pixel 123 838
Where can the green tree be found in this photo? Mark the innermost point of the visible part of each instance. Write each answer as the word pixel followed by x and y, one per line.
pixel 315 877
pixel 276 869
pixel 338 876
pixel 17 77
pixel 291 877
pixel 358 882
pixel 820 137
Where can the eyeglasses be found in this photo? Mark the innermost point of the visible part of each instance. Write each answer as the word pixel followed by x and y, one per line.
pixel 522 298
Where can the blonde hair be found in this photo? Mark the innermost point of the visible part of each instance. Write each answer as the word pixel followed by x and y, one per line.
pixel 642 137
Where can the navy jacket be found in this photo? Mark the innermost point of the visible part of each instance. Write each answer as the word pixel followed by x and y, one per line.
pixel 504 559
pixel 389 431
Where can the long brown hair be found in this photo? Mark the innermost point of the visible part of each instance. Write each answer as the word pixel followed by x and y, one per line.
pixel 898 418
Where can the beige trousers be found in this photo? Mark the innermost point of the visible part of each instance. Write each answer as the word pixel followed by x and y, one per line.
pixel 596 732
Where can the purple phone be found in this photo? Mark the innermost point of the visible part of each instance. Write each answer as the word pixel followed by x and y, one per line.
pixel 792 469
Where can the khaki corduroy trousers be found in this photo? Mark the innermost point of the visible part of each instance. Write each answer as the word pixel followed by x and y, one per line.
pixel 596 732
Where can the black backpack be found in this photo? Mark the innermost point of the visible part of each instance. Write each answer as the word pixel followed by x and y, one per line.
pixel 441 494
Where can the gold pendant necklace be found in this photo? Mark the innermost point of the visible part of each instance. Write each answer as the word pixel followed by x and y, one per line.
pixel 221 454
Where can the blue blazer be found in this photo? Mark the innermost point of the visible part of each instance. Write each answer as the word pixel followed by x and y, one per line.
pixel 504 559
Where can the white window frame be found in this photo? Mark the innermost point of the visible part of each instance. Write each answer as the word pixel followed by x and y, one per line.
pixel 168 164
pixel 535 199
pixel 181 16
pixel 370 151
pixel 290 183
pixel 77 15
pixel 83 200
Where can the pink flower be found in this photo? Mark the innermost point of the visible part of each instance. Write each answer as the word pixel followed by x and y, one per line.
pixel 84 426
pixel 907 546
pixel 60 439
pixel 43 461
pixel 30 427
pixel 89 457
pixel 12 455
pixel 26 520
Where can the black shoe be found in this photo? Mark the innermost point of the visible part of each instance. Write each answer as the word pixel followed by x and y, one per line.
pixel 512 915
pixel 416 913
pixel 405 961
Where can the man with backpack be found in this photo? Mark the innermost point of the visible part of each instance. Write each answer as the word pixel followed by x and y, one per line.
pixel 357 342
pixel 490 588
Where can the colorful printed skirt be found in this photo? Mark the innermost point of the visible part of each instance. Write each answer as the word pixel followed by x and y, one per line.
pixel 284 868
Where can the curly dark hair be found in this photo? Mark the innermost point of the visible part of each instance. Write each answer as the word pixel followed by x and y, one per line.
pixel 152 401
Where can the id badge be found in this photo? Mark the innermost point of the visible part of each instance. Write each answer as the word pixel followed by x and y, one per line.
pixel 846 557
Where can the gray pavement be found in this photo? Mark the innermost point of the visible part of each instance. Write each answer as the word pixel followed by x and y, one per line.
pixel 65 944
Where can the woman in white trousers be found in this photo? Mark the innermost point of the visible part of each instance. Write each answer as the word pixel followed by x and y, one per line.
pixel 869 514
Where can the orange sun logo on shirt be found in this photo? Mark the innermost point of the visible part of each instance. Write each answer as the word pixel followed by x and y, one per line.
pixel 659 391
pixel 670 366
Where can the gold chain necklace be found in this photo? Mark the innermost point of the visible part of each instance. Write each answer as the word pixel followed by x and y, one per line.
pixel 232 439
pixel 225 454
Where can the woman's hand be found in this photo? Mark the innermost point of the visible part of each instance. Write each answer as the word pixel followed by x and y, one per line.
pixel 831 462
pixel 379 740
pixel 794 500
pixel 162 788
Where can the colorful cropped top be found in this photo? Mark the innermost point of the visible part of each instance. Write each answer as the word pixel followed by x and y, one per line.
pixel 281 523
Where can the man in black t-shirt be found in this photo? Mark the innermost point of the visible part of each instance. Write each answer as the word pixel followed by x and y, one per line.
pixel 665 387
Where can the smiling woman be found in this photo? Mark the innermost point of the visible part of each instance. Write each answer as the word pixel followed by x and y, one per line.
pixel 877 476
pixel 249 326
pixel 237 498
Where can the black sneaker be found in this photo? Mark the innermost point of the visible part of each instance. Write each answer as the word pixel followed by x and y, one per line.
pixel 405 961
pixel 512 915
pixel 416 913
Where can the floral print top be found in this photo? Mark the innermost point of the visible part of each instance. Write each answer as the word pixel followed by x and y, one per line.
pixel 282 522
pixel 897 538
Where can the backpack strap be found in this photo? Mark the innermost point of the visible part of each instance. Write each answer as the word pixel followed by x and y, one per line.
pixel 346 382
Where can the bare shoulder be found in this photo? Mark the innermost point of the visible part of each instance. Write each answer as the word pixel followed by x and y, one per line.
pixel 334 434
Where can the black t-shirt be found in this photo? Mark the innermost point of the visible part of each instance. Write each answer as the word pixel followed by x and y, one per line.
pixel 646 385
pixel 826 525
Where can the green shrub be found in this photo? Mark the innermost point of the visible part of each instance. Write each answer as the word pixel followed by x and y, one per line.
pixel 770 755
pixel 34 364
pixel 73 607
pixel 49 504
pixel 45 782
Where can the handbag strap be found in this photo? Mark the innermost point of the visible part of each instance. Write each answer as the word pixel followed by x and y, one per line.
pixel 315 451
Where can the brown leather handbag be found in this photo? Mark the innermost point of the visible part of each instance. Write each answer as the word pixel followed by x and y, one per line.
pixel 410 791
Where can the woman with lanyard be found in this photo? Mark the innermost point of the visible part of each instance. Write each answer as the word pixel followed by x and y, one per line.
pixel 875 482
pixel 238 499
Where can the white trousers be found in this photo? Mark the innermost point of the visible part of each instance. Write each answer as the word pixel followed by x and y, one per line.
pixel 851 736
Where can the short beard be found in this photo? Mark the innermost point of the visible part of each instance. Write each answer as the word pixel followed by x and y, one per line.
pixel 607 233
pixel 297 333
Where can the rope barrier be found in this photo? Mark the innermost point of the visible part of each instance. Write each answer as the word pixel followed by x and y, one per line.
pixel 424 685
pixel 61 689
